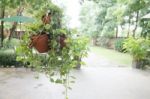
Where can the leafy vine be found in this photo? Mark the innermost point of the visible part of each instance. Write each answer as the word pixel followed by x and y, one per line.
pixel 59 60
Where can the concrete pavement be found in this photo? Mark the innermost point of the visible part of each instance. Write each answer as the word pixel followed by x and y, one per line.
pixel 91 83
pixel 100 79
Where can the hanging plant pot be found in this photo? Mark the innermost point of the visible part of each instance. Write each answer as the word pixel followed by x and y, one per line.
pixel 40 42
pixel 46 19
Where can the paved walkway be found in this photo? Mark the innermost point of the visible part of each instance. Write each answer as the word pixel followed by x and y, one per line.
pixel 93 82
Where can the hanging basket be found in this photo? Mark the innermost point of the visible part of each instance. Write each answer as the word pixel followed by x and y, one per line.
pixel 40 42
pixel 46 19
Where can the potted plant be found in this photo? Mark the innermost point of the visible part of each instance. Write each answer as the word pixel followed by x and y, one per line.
pixel 40 42
pixel 61 46
pixel 138 49
pixel 49 31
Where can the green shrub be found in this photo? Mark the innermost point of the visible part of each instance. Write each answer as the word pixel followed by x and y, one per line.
pixel 7 53
pixel 137 47
pixel 119 45
pixel 8 58
pixel 12 43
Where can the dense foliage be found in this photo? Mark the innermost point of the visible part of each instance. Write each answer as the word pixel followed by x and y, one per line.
pixel 11 44
pixel 8 54
pixel 8 58
pixel 113 18
pixel 59 60
pixel 119 45
pixel 137 47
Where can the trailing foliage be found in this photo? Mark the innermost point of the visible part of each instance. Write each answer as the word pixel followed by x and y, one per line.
pixel 58 61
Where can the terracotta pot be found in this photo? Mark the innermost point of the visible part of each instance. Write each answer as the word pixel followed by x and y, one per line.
pixel 137 64
pixel 40 43
pixel 46 19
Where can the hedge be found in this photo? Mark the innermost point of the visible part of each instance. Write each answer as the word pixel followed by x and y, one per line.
pixel 8 58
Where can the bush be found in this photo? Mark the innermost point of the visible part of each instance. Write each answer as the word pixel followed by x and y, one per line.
pixel 138 48
pixel 8 58
pixel 12 43
pixel 119 45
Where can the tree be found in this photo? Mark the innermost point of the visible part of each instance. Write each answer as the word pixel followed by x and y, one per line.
pixel 88 20
pixel 2 13
pixel 20 5
pixel 120 13
pixel 101 17
pixel 4 5
pixel 25 4
pixel 134 10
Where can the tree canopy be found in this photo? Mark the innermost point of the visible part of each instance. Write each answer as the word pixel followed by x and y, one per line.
pixel 108 16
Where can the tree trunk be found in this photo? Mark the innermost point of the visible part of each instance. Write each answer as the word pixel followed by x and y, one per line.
pixel 94 39
pixel 12 30
pixel 2 25
pixel 128 34
pixel 136 23
pixel 117 31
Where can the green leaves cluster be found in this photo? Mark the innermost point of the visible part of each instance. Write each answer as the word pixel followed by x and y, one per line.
pixel 104 17
pixel 97 18
pixel 137 47
pixel 57 62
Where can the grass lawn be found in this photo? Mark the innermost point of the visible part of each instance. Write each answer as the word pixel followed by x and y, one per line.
pixel 113 56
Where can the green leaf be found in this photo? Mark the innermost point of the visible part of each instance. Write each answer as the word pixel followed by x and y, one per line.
pixel 58 81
